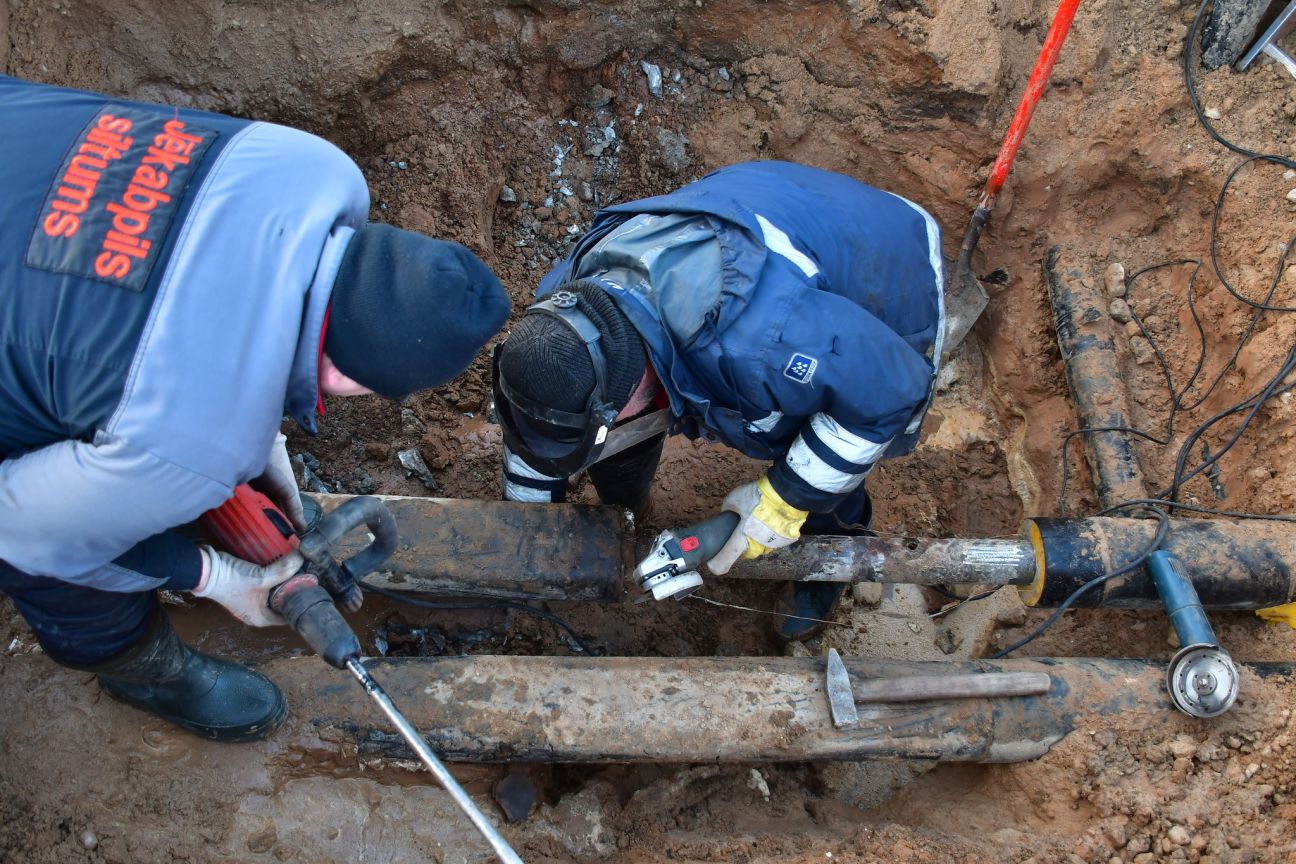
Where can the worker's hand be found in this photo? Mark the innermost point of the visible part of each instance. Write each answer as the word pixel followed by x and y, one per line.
pixel 280 484
pixel 765 522
pixel 243 587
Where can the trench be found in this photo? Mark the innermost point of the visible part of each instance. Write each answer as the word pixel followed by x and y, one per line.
pixel 503 126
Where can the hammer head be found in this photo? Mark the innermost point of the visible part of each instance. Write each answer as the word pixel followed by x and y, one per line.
pixel 841 699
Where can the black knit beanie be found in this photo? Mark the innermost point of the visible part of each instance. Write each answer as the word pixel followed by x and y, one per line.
pixel 410 312
pixel 545 360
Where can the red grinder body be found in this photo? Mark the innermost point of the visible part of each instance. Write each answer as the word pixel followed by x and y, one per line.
pixel 251 527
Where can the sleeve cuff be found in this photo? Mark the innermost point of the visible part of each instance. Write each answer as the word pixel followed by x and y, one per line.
pixel 167 556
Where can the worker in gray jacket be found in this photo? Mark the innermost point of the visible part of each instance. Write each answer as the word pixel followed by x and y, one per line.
pixel 173 282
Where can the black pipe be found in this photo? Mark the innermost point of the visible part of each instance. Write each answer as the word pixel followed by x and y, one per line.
pixel 1232 563
pixel 1097 388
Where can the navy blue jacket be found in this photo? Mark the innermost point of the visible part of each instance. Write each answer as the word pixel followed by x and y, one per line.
pixel 805 326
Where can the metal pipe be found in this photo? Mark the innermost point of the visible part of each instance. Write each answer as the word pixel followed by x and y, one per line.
pixel 416 743
pixel 501 548
pixel 908 560
pixel 721 709
pixel 571 552
pixel 1097 388
pixel 1231 563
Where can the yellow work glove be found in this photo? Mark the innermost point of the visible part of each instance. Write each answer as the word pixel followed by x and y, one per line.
pixel 765 522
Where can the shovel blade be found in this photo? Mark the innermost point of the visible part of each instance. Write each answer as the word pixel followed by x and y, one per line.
pixel 965 300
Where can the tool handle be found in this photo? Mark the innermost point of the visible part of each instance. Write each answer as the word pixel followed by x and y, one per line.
pixel 699 543
pixel 317 545
pixel 1039 76
pixel 310 611
pixel 987 685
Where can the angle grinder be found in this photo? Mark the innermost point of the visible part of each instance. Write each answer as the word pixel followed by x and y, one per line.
pixel 671 567
pixel 1202 680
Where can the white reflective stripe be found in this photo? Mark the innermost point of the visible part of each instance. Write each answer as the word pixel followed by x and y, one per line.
pixel 525 494
pixel 513 464
pixel 818 473
pixel 938 267
pixel 778 242
pixel 766 423
pixel 853 448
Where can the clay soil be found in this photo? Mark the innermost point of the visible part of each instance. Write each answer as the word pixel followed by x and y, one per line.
pixel 503 125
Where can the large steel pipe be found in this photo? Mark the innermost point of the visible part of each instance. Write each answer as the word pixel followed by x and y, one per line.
pixel 548 709
pixel 501 548
pixel 570 552
pixel 1232 563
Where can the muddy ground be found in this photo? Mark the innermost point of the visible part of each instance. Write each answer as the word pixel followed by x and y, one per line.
pixel 503 126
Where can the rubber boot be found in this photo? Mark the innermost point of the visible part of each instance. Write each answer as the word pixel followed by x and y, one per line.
pixel 214 699
pixel 806 601
pixel 817 600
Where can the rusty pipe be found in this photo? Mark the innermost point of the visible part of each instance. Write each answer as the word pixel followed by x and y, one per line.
pixel 1094 376
pixel 723 709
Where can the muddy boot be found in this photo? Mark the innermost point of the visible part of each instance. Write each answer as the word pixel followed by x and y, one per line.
pixel 212 698
pixel 809 600
pixel 806 601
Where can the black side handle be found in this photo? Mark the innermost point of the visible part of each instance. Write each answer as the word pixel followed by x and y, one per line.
pixel 317 545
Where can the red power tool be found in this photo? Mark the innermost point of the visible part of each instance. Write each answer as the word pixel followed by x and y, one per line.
pixel 251 527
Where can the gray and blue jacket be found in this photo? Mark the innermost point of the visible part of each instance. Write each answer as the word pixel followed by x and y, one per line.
pixel 791 313
pixel 164 279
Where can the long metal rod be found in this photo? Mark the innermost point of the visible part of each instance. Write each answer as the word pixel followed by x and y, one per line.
pixel 986 685
pixel 416 742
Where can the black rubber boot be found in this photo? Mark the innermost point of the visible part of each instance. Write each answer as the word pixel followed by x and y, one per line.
pixel 811 604
pixel 214 699
pixel 802 602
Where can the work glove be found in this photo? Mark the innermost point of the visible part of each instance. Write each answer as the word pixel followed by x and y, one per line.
pixel 280 484
pixel 243 587
pixel 765 522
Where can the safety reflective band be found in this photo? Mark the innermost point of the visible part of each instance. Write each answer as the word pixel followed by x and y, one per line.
pixel 778 242
pixel 523 483
pixel 830 458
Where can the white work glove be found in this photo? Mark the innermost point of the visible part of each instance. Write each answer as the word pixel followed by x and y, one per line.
pixel 765 522
pixel 243 587
pixel 279 482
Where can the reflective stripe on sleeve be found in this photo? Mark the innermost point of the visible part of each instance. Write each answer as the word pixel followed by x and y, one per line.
pixel 523 483
pixel 830 458
pixel 778 242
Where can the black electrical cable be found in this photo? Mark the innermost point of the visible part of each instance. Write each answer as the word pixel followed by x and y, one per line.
pixel 478 602
pixel 1252 404
pixel 1214 244
pixel 1163 528
pixel 1196 508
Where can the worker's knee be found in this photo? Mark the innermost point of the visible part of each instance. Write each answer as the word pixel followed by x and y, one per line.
pixel 75 625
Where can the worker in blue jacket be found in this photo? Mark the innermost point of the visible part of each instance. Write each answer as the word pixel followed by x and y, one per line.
pixel 172 282
pixel 788 312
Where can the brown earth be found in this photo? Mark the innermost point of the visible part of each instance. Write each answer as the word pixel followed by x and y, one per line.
pixel 445 104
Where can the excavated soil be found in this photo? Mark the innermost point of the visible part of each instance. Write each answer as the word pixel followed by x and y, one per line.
pixel 503 126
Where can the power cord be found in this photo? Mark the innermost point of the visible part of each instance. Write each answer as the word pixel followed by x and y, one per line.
pixel 1167 498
